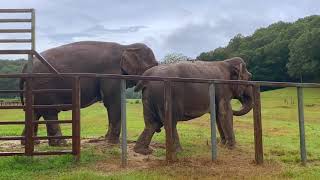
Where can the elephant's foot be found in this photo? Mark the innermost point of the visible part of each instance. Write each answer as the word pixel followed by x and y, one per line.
pixel 179 149
pixel 112 139
pixel 223 141
pixel 142 149
pixel 23 142
pixel 57 142
pixel 231 145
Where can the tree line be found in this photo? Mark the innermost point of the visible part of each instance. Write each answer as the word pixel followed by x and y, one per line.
pixel 283 51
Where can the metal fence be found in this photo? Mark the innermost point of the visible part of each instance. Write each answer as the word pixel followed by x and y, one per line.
pixel 170 151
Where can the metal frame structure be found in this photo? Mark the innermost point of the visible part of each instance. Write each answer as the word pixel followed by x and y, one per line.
pixel 75 106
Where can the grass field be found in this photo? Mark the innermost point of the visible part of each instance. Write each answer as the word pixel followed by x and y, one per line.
pixel 102 161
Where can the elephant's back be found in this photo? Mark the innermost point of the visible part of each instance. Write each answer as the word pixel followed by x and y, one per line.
pixel 82 57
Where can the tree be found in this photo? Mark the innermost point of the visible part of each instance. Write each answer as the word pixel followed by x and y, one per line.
pixel 174 58
pixel 305 55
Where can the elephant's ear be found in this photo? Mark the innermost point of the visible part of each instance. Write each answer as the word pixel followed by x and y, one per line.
pixel 236 68
pixel 130 61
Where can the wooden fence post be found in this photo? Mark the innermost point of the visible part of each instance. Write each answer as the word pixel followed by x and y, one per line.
pixel 303 151
pixel 76 105
pixel 124 160
pixel 258 144
pixel 212 93
pixel 168 124
pixel 29 116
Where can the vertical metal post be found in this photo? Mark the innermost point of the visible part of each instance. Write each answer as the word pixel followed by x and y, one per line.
pixel 124 161
pixel 213 116
pixel 29 146
pixel 171 155
pixel 33 41
pixel 76 105
pixel 257 125
pixel 303 152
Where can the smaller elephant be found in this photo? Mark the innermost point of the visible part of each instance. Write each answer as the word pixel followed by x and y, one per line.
pixel 191 100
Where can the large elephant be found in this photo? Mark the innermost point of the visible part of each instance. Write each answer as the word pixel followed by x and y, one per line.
pixel 89 57
pixel 191 100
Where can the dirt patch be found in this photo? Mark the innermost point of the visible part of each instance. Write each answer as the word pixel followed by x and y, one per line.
pixel 237 163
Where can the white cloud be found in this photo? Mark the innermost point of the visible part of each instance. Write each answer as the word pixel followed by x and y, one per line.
pixel 188 27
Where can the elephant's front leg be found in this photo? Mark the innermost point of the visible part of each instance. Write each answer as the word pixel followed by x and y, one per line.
pixel 225 117
pixel 114 115
pixel 176 139
pixel 35 130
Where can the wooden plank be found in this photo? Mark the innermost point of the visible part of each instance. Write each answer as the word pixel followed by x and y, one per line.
pixel 212 93
pixel 171 155
pixel 45 153
pixel 15 40
pixel 303 151
pixel 15 20
pixel 29 117
pixel 11 122
pixel 16 10
pixel 12 107
pixel 124 152
pixel 15 30
pixel 11 153
pixel 38 91
pixel 9 138
pixel 76 97
pixel 54 106
pixel 53 122
pixel 11 91
pixel 258 144
pixel 51 137
pixel 9 51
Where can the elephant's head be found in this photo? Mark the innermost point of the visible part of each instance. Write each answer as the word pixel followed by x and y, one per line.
pixel 136 59
pixel 243 93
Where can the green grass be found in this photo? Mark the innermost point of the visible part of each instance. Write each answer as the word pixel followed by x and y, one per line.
pixel 280 139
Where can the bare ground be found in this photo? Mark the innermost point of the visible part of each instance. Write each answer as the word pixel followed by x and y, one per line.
pixel 231 164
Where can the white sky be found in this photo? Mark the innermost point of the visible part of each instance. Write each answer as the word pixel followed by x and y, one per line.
pixel 188 27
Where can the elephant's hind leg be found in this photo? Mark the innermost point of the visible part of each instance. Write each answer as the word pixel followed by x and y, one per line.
pixel 54 129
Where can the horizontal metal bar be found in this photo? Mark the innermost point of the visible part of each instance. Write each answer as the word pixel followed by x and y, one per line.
pixel 11 122
pixel 55 106
pixel 15 30
pixel 9 138
pixel 53 122
pixel 52 152
pixel 15 20
pixel 156 78
pixel 15 51
pixel 12 107
pixel 11 153
pixel 51 137
pixel 51 91
pixel 15 40
pixel 11 91
pixel 16 10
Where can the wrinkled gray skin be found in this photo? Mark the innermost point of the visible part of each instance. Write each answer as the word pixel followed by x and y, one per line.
pixel 89 57
pixel 191 100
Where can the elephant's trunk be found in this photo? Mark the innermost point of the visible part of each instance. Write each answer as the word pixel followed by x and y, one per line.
pixel 246 101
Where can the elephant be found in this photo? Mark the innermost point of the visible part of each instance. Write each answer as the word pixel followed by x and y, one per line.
pixel 88 57
pixel 191 100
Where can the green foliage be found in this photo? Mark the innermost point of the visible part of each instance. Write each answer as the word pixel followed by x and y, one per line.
pixel 10 67
pixel 174 58
pixel 280 52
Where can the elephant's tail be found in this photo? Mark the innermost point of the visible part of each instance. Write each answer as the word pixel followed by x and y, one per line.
pixel 21 83
pixel 139 86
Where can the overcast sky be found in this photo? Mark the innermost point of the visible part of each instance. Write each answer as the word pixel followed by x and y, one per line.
pixel 188 27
